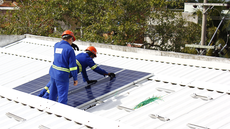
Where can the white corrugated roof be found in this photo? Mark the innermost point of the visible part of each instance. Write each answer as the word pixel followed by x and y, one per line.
pixel 194 92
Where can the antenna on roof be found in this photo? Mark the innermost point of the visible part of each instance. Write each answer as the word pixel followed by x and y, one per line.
pixel 206 6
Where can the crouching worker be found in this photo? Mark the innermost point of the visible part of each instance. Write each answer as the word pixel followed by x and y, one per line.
pixel 85 60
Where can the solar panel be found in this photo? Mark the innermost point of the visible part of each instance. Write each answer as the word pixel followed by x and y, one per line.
pixel 103 86
pixel 34 85
pixel 82 93
pixel 92 76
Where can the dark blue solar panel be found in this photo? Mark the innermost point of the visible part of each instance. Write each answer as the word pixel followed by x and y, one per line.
pixel 102 87
pixel 80 94
pixel 34 85
pixel 92 76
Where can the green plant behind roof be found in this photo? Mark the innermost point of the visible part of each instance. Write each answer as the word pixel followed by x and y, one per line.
pixel 143 103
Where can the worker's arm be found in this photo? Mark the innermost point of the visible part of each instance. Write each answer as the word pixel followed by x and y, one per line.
pixel 73 66
pixel 103 72
pixel 84 75
pixel 86 79
pixel 96 68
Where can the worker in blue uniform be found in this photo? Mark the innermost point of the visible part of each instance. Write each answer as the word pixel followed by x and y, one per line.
pixel 83 60
pixel 45 92
pixel 64 64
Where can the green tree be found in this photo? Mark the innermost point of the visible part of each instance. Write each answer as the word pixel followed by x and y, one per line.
pixel 38 17
pixel 169 31
pixel 126 17
pixel 130 19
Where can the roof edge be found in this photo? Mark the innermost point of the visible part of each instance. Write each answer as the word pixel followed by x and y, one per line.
pixel 8 39
pixel 43 37
pixel 58 109
pixel 140 50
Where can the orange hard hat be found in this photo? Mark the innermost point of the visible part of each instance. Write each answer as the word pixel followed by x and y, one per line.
pixel 68 32
pixel 92 49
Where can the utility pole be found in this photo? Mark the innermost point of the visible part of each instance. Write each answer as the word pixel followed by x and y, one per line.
pixel 204 22
pixel 206 6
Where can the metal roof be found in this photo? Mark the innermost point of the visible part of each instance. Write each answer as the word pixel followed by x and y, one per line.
pixel 193 92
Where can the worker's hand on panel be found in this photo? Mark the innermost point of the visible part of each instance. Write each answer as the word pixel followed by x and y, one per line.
pixel 112 75
pixel 92 81
pixel 75 83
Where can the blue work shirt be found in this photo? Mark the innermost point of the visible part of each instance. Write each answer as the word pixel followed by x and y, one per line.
pixel 64 62
pixel 85 60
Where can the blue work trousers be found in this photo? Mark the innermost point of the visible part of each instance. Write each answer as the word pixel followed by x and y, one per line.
pixel 59 89
pixel 44 94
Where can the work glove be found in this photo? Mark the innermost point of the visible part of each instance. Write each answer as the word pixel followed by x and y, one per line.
pixel 74 46
pixel 112 75
pixel 92 81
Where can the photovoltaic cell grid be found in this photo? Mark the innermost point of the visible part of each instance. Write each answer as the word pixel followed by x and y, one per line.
pixel 103 87
pixel 82 93
pixel 34 85
pixel 92 76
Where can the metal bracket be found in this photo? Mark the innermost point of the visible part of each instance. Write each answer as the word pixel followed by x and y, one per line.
pixel 165 90
pixel 43 127
pixel 125 108
pixel 155 116
pixel 193 126
pixel 199 46
pixel 17 118
pixel 99 101
pixel 206 98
